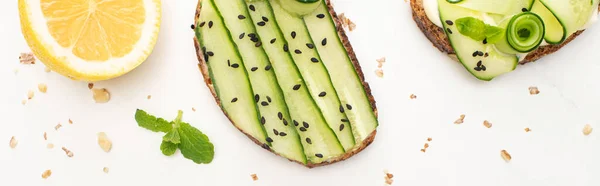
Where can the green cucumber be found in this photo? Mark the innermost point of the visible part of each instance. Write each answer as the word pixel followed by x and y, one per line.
pixel 342 72
pixel 267 94
pixel 572 14
pixel 229 83
pixel 502 7
pixel 555 33
pixel 472 53
pixel 299 7
pixel 316 76
pixel 318 139
pixel 524 32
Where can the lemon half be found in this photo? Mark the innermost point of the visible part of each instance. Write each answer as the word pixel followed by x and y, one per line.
pixel 91 40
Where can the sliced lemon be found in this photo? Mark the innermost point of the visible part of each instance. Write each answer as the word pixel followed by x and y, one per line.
pixel 91 40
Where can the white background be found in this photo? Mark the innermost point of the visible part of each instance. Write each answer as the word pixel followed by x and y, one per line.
pixel 555 152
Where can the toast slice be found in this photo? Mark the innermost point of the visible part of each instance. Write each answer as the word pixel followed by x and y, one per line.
pixel 439 39
pixel 346 43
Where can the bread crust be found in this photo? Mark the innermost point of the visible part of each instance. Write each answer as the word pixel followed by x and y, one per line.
pixel 438 37
pixel 342 34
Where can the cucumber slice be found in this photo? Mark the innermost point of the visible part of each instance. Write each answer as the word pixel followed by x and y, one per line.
pixel 267 94
pixel 229 83
pixel 502 7
pixel 299 7
pixel 315 75
pixel 319 138
pixel 471 53
pixel 524 33
pixel 572 14
pixel 555 33
pixel 341 70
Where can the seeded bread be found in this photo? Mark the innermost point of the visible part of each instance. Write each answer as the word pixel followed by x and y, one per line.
pixel 438 37
pixel 204 69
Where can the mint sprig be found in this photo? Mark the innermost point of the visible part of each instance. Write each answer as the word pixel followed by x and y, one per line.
pixel 192 143
pixel 477 29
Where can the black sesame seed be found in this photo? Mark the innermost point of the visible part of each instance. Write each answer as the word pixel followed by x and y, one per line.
pixel 449 22
pixel 256 98
pixel 234 100
pixel 264 103
pixel 265 146
pixel 322 94
pixel 242 35
pixel 269 140
pixel 275 132
pixel 262 23
pixel 297 51
pixel 314 60
pixel 341 127
pixel 254 39
pixel 252 35
pixel 241 17
pixel 324 41
pixel 310 45
pixel 285 122
pixel 349 107
pixel 475 53
pixel 479 63
pixel 268 67
pixel 485 41
pixel 285 48
pixel 449 31
pixel 254 69
pixel 483 68
pixel 280 115
pixel 193 26
pixel 202 24
pixel 269 99
pixel 265 19
pixel 258 44
pixel 320 16
pixel 206 58
pixel 235 65
pixel 308 141
pixel 228 63
pixel 524 10
pixel 210 24
pixel 293 35
pixel 341 109
pixel 319 155
pixel 210 53
pixel 344 120
pixel 296 87
pixel 302 129
pixel 305 124
pixel 477 69
pixel 263 120
pixel 282 134
pixel 252 8
pixel 273 40
pixel 295 123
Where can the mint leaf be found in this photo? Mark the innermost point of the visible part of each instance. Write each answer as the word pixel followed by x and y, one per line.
pixel 471 27
pixel 493 34
pixel 195 145
pixel 172 137
pixel 168 148
pixel 152 123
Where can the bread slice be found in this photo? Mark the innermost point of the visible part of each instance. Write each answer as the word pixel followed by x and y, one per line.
pixel 439 39
pixel 342 34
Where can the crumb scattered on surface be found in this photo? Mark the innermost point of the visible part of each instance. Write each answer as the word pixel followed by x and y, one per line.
pixel 68 152
pixel 104 142
pixel 388 178
pixel 30 94
pixel 423 150
pixel 487 124
pixel 413 96
pixel 533 91
pixel 45 136
pixel 46 174
pixel 27 58
pixel 460 120
pixel 429 139
pixel 527 129
pixel 70 121
pixel 13 142
pixel 149 97
pixel 24 101
pixel 42 88
pixel 193 109
pixel 101 95
pixel 50 146
pixel 379 72
pixel 58 126
pixel 426 145
pixel 47 69
pixel 105 170
pixel 90 86
pixel 587 129
pixel 254 177
pixel 380 62
pixel 505 155
pixel 347 23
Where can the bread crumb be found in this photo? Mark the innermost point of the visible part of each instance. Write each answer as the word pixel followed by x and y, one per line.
pixel 30 94
pixel 58 126
pixel 527 129
pixel 346 22
pixel 254 177
pixel 460 120
pixel 101 95
pixel 42 88
pixel 429 139
pixel 68 152
pixel 587 129
pixel 24 101
pixel 104 142
pixel 47 69
pixel 379 72
pixel 105 170
pixel 45 136
pixel 380 62
pixel 13 142
pixel 27 58
pixel 426 145
pixel 193 109
pixel 46 174
pixel 90 86
pixel 50 146
pixel 505 155
pixel 533 90
pixel 388 178
pixel 351 25
pixel 70 121
pixel 413 96
pixel 487 124
pixel 149 97
pixel 423 150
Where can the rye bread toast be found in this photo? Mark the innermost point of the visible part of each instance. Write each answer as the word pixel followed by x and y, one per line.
pixel 341 33
pixel 438 37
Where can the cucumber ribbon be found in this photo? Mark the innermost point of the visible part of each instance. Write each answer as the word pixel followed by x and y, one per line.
pixel 524 33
